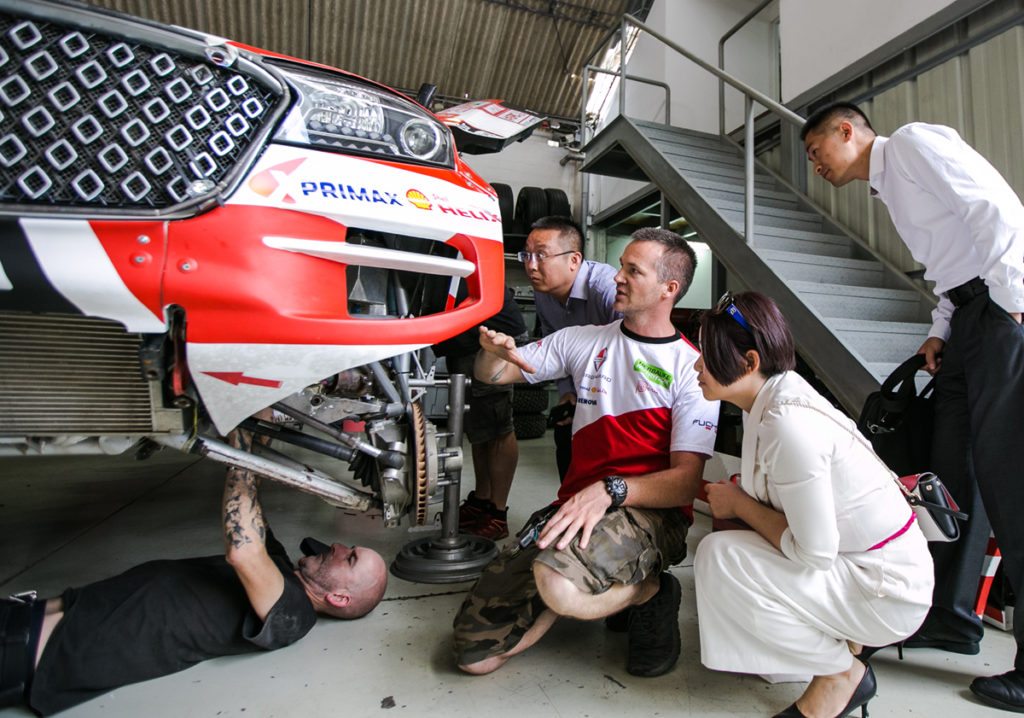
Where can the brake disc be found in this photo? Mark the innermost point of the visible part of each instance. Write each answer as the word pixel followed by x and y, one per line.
pixel 423 471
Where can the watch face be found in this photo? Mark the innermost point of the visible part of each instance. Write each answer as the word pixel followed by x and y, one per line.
pixel 616 487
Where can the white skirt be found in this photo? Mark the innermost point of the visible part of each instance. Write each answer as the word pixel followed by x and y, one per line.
pixel 761 612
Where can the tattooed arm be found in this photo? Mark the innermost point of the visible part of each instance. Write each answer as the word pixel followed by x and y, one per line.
pixel 245 535
pixel 498 361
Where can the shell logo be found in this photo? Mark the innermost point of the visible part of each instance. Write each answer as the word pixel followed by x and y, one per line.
pixel 418 198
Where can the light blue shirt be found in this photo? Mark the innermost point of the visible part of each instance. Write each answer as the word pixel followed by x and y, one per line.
pixel 590 302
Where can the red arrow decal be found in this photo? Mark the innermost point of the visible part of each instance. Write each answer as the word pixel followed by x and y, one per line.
pixel 237 377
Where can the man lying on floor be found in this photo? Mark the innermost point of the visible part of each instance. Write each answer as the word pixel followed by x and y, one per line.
pixel 164 616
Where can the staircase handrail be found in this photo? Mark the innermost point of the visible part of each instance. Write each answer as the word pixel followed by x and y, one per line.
pixel 721 58
pixel 750 96
pixel 634 78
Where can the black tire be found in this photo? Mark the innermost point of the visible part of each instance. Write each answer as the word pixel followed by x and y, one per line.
pixel 531 205
pixel 529 401
pixel 506 203
pixel 558 202
pixel 530 426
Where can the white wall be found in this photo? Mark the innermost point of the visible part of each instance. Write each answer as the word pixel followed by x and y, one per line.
pixel 821 37
pixel 696 25
pixel 531 163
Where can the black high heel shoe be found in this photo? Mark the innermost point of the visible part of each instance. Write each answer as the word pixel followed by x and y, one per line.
pixel 863 693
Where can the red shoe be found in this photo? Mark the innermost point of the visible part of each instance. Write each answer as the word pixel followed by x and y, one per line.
pixel 490 527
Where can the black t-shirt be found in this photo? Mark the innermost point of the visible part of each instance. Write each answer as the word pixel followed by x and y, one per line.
pixel 508 321
pixel 159 618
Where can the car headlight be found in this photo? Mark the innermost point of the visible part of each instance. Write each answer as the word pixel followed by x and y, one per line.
pixel 346 116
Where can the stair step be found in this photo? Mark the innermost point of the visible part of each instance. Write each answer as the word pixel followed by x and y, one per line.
pixel 771 217
pixel 787 239
pixel 880 341
pixel 720 191
pixel 659 133
pixel 696 154
pixel 823 245
pixel 737 189
pixel 872 303
pixel 797 215
pixel 704 172
pixel 822 269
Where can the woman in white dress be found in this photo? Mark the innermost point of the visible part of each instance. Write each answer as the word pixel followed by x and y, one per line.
pixel 835 559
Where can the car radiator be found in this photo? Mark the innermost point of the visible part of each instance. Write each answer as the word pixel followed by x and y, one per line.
pixel 64 374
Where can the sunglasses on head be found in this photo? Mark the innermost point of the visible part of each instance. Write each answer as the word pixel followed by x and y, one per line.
pixel 726 303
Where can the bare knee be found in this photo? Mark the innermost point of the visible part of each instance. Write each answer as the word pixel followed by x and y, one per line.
pixel 558 593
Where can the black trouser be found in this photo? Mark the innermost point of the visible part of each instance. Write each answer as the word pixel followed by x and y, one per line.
pixel 978 452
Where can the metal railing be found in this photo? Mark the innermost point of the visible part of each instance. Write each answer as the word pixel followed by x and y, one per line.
pixel 721 58
pixel 750 96
pixel 633 78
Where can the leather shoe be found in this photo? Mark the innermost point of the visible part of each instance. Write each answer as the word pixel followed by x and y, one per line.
pixel 923 639
pixel 1005 691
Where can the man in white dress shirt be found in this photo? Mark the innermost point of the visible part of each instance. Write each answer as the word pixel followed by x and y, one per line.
pixel 964 223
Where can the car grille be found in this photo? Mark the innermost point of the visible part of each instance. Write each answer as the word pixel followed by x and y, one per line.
pixel 372 290
pixel 97 121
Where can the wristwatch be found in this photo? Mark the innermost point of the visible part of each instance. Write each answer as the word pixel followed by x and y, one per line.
pixel 616 488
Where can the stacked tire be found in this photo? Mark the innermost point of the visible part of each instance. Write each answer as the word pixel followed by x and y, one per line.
pixel 531 204
pixel 529 410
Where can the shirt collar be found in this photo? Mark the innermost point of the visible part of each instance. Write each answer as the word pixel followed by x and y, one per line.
pixel 580 283
pixel 764 397
pixel 876 164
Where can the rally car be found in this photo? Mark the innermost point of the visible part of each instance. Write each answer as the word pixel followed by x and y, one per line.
pixel 194 230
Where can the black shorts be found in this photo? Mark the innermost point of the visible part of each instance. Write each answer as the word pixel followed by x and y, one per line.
pixel 490 405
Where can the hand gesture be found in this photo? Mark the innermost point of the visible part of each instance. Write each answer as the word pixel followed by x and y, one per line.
pixel 504 347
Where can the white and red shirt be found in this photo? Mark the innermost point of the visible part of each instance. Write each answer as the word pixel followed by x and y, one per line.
pixel 637 400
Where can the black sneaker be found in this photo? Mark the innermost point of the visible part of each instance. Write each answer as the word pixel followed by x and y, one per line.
pixel 654 641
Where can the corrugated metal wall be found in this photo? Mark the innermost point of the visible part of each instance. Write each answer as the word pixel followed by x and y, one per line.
pixel 475 49
pixel 979 93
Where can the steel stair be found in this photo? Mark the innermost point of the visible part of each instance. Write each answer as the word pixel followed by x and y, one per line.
pixel 854 316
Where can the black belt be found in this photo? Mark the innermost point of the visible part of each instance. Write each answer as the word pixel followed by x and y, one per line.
pixel 967 291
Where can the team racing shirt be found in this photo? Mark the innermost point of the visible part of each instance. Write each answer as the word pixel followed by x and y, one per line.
pixel 637 400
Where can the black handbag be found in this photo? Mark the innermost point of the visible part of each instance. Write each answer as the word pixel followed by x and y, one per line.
pixel 937 512
pixel 898 420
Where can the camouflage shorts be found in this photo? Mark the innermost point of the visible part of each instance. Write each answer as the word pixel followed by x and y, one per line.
pixel 627 546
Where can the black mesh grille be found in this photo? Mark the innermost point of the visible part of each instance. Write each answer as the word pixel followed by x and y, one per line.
pixel 90 120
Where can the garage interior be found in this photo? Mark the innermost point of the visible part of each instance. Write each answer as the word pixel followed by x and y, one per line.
pixel 70 520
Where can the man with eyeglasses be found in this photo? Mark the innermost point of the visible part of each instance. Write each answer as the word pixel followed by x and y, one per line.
pixel 568 291
pixel 641 434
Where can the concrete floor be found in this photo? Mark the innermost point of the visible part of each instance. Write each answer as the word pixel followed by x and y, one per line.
pixel 72 520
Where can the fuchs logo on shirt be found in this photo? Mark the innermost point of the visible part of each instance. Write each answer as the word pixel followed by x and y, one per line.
pixel 708 425
pixel 600 359
pixel 642 386
pixel 653 373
